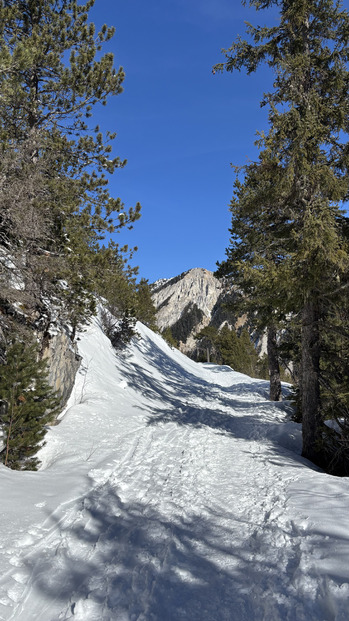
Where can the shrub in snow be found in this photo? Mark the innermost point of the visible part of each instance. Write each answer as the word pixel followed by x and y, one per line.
pixel 119 330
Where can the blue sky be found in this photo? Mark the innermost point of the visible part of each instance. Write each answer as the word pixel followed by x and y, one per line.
pixel 179 126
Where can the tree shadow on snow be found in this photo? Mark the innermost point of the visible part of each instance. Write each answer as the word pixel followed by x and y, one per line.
pixel 181 397
pixel 120 561
pixel 179 378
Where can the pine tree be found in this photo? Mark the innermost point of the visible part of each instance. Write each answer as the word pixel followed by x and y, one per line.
pixel 169 338
pixel 145 309
pixel 249 357
pixel 28 405
pixel 238 351
pixel 208 344
pixel 226 346
pixel 54 199
pixel 228 343
pixel 256 255
pixel 308 111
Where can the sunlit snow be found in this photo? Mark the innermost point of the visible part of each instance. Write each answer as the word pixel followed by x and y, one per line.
pixel 172 491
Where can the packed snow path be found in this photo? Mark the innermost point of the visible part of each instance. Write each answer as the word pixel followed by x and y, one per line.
pixel 172 491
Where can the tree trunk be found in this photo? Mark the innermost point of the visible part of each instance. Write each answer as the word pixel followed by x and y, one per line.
pixel 274 367
pixel 310 385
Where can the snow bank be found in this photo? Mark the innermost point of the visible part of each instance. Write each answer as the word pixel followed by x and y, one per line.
pixel 169 491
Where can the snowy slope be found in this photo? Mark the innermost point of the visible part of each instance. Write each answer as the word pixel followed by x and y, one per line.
pixel 171 491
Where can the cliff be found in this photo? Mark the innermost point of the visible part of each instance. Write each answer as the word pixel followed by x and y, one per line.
pixel 189 302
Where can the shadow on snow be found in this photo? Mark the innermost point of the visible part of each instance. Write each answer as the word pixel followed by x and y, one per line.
pixel 130 562
pixel 241 409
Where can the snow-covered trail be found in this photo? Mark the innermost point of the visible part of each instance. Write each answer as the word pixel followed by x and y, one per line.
pixel 173 491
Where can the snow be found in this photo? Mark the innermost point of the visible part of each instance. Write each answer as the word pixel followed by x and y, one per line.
pixel 171 491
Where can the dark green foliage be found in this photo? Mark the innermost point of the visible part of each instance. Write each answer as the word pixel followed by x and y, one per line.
pixel 145 310
pixel 248 356
pixel 288 243
pixel 226 309
pixel 238 351
pixel 126 301
pixel 334 366
pixel 255 258
pixel 334 379
pixel 263 367
pixel 54 166
pixel 115 281
pixel 191 317
pixel 208 347
pixel 120 330
pixel 28 404
pixel 169 338
pixel 118 288
pixel 228 347
pixel 55 206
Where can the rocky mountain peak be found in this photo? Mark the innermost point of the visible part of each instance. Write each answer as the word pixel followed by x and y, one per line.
pixel 187 303
pixel 195 288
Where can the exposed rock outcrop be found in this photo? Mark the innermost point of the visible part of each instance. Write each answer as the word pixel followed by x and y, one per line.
pixel 197 286
pixel 63 363
pixel 188 303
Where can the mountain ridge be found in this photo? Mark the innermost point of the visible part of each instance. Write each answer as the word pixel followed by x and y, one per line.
pixel 189 302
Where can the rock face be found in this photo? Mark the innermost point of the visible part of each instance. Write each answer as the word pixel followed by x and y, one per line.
pixel 196 287
pixel 63 363
pixel 188 303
